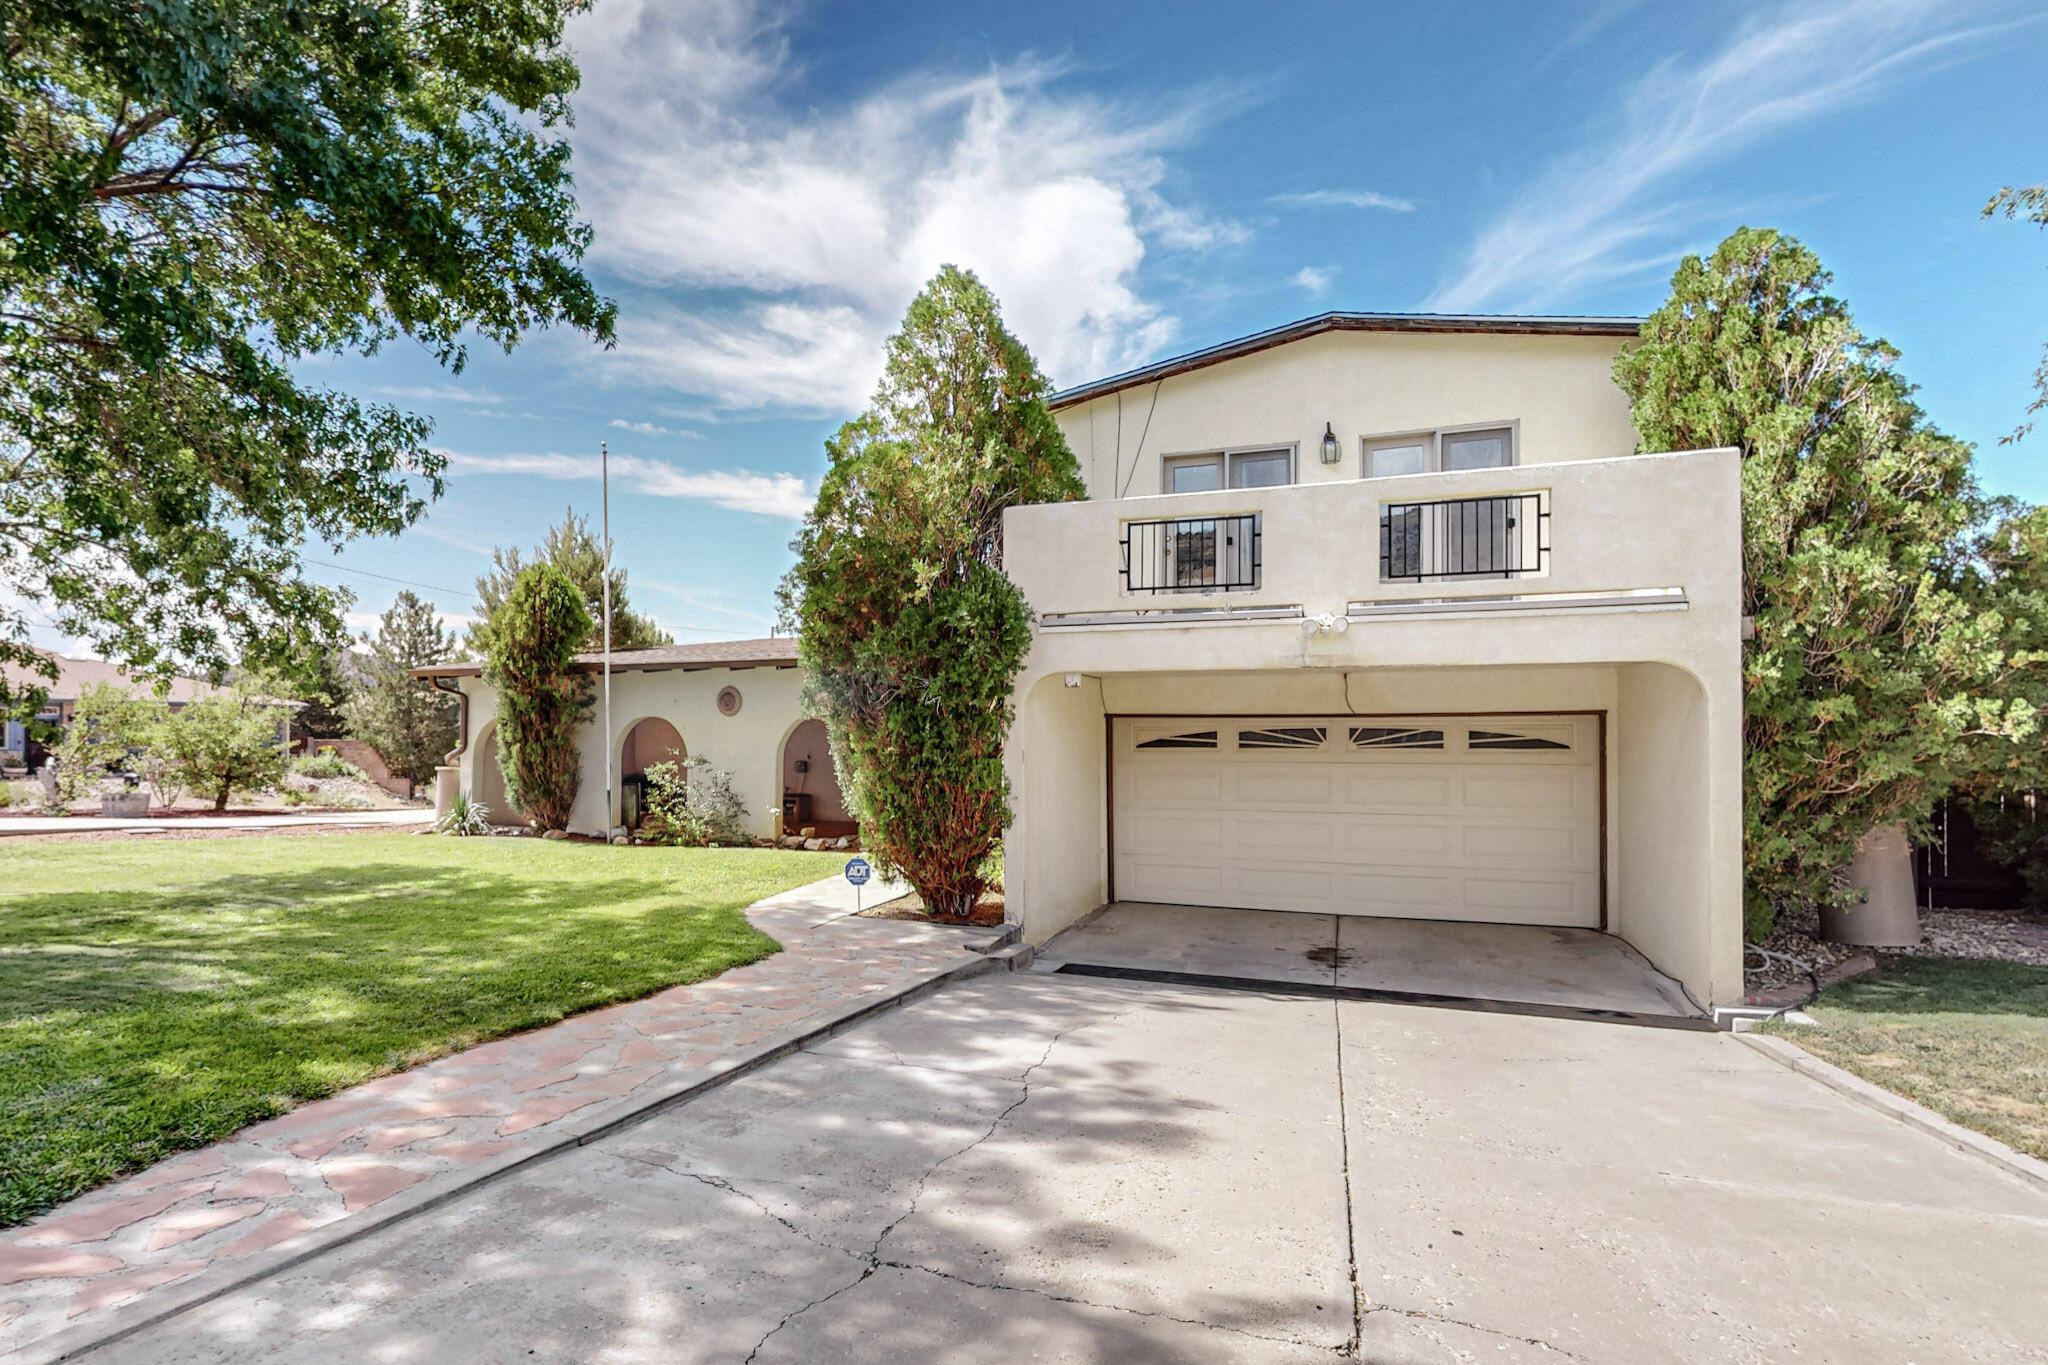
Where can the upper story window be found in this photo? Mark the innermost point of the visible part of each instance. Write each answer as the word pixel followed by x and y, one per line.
pixel 1426 452
pixel 1229 469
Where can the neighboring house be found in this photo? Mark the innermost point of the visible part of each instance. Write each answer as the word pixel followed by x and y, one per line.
pixel 1382 615
pixel 73 677
pixel 736 703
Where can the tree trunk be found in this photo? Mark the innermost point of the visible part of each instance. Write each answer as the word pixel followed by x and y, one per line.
pixel 1883 871
pixel 220 802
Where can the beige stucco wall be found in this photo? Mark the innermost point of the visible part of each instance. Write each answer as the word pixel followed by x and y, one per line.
pixel 748 745
pixel 1668 676
pixel 1557 390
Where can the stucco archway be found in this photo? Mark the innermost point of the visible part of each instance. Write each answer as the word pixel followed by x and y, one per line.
pixel 487 781
pixel 816 782
pixel 646 742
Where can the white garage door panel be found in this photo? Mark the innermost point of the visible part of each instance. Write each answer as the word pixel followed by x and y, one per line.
pixel 1497 821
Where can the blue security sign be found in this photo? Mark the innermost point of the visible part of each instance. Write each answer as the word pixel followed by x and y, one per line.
pixel 858 871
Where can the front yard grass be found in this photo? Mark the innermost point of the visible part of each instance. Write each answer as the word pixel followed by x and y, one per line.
pixel 1967 1039
pixel 160 997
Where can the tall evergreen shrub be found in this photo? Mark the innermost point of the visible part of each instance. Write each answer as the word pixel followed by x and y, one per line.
pixel 912 635
pixel 542 695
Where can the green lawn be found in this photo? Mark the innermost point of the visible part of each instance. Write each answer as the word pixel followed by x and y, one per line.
pixel 1967 1039
pixel 155 997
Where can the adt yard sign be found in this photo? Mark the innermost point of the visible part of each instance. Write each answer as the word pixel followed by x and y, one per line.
pixel 858 872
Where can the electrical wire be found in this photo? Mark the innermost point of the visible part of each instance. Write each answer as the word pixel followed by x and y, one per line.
pixel 463 593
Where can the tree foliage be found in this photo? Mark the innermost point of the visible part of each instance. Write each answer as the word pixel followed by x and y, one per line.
pixel 911 633
pixel 410 721
pixel 195 197
pixel 225 742
pixel 1886 663
pixel 2027 203
pixel 578 553
pixel 107 721
pixel 542 695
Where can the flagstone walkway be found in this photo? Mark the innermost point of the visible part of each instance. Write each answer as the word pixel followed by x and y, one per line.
pixel 196 1224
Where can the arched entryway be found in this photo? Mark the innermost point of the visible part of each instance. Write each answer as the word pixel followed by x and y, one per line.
pixel 487 781
pixel 647 743
pixel 810 784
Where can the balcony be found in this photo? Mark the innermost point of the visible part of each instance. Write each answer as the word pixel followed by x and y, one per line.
pixel 1507 536
pixel 1639 530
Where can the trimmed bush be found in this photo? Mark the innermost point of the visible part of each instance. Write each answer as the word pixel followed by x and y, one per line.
pixel 542 695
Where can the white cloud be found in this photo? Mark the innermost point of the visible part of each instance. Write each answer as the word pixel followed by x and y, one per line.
pixel 1605 212
pixel 768 495
pixel 651 429
pixel 705 168
pixel 1344 199
pixel 441 393
pixel 1315 279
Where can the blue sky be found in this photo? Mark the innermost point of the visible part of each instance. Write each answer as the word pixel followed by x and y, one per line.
pixel 770 183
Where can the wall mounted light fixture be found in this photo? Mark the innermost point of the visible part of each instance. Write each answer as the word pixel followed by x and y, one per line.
pixel 1332 451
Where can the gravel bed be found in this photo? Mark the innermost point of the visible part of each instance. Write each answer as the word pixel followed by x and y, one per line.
pixel 1993 935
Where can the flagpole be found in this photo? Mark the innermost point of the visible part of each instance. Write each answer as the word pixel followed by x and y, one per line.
pixel 604 465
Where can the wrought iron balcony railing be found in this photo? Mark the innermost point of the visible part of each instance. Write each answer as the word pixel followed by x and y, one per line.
pixel 1192 554
pixel 1495 537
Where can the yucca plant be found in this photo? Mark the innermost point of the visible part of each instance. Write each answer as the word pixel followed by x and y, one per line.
pixel 464 818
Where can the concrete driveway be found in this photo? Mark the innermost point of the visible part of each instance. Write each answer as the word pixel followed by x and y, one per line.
pixel 1052 1168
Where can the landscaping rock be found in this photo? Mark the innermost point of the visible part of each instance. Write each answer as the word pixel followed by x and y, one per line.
pixel 554 834
pixel 792 841
pixel 842 843
pixel 809 831
pixel 125 805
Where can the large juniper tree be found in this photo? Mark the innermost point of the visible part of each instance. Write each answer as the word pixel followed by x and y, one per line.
pixel 1886 659
pixel 195 197
pixel 911 632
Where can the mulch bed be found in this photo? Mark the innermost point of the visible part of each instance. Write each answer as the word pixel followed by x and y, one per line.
pixel 988 911
pixel 1981 935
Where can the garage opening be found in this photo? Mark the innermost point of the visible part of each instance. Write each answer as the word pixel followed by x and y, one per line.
pixel 1493 819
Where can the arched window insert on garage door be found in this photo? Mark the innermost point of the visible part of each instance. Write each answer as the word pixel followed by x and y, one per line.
pixel 1186 739
pixel 1394 737
pixel 1284 737
pixel 1495 739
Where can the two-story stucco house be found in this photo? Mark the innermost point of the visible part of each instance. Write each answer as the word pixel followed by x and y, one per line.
pixel 1384 615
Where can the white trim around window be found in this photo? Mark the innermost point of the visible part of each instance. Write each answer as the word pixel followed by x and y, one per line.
pixel 1438 449
pixel 1236 467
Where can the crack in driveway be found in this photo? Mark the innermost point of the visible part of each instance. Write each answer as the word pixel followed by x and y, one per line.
pixel 1340 1352
pixel 1424 1315
pixel 872 1258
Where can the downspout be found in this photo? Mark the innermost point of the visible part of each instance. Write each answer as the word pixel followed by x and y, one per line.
pixel 461 724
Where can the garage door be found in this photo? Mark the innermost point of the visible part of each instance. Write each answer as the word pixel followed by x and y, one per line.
pixel 1461 818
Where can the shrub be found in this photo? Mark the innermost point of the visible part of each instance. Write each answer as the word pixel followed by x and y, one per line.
pixel 464 818
pixel 542 695
pixel 327 763
pixel 912 635
pixel 693 803
pixel 12 758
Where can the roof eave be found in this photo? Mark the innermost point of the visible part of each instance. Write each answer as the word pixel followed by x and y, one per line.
pixel 1346 322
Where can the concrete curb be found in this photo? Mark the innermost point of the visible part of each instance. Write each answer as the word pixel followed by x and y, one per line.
pixel 2030 1169
pixel 432 1194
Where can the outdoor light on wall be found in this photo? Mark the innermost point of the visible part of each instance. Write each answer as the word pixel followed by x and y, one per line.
pixel 1332 452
